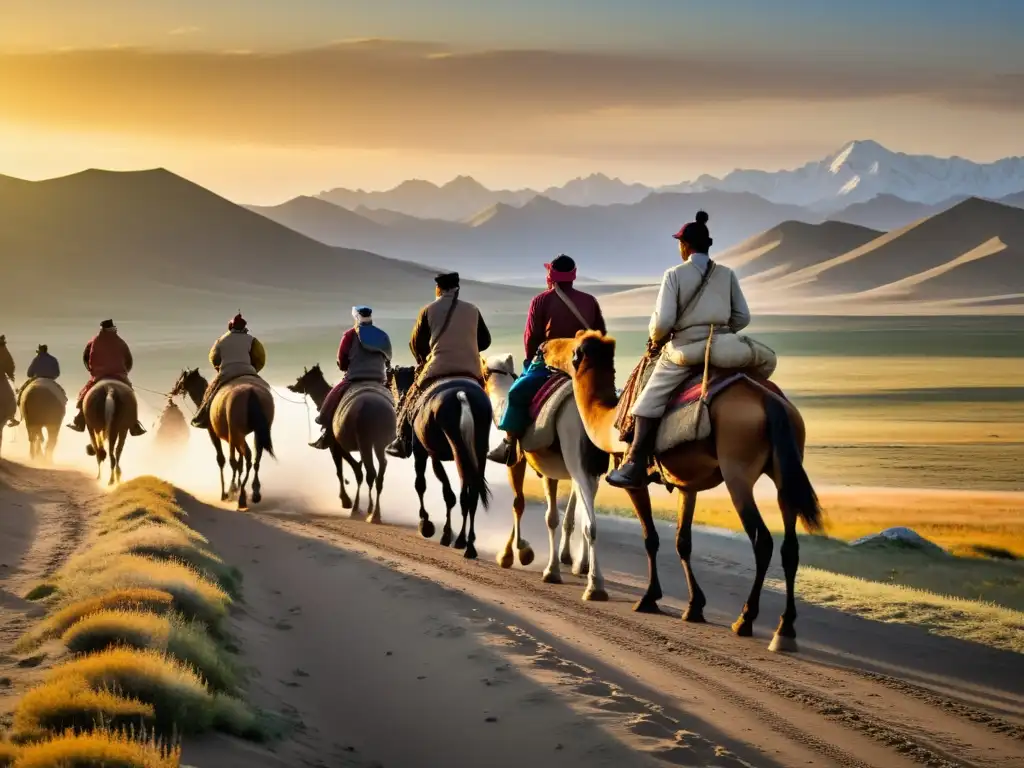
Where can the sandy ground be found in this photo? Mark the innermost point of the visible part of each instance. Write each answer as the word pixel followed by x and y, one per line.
pixel 384 649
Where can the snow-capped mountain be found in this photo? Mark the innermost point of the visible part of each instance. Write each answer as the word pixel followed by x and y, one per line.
pixel 597 189
pixel 863 169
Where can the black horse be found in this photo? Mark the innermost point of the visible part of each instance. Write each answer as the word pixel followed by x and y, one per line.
pixel 452 424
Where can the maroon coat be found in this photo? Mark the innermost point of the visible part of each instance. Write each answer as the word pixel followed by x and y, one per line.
pixel 106 356
pixel 549 318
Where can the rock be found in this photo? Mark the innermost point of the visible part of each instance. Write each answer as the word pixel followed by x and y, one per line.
pixel 905 538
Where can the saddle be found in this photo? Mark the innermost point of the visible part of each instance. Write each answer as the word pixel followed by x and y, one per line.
pixel 435 389
pixel 49 385
pixel 358 389
pixel 544 410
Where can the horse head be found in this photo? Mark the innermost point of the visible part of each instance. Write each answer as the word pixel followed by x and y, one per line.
pixel 309 376
pixel 402 377
pixel 188 376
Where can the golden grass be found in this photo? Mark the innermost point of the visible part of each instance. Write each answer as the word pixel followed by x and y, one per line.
pixel 100 749
pixel 180 699
pixel 8 753
pixel 195 597
pixel 152 600
pixel 70 704
pixel 978 622
pixel 187 642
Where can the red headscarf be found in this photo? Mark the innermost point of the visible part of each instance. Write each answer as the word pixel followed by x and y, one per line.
pixel 560 276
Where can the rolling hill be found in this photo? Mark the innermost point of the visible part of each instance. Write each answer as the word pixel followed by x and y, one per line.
pixel 150 241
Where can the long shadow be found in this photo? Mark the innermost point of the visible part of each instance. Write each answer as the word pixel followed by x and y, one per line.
pixel 402 669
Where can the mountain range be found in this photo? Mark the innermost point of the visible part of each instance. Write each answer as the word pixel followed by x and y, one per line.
pixel 855 173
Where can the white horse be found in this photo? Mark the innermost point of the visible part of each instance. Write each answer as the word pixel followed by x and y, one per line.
pixel 565 455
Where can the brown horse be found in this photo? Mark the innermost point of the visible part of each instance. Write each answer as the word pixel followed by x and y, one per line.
pixel 367 426
pixel 752 434
pixel 110 410
pixel 240 407
pixel 8 406
pixel 43 406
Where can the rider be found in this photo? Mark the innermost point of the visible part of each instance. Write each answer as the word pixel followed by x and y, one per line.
pixel 6 361
pixel 447 340
pixel 557 313
pixel 235 354
pixel 43 366
pixel 106 356
pixel 363 355
pixel 697 298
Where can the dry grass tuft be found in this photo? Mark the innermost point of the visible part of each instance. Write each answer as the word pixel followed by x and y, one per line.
pixel 70 704
pixel 8 753
pixel 180 699
pixel 100 749
pixel 195 597
pixel 971 620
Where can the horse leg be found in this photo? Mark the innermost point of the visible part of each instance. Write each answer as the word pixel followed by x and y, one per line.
pixel 516 543
pixel 785 635
pixel 553 571
pixel 257 486
pixel 358 472
pixel 684 546
pixel 420 457
pixel 371 478
pixel 741 490
pixel 51 441
pixel 246 453
pixel 221 461
pixel 120 449
pixel 568 525
pixel 382 465
pixel 641 498
pixel 339 470
pixel 235 459
pixel 449 503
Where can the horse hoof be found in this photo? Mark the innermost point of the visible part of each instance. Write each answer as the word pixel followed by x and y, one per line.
pixel 783 644
pixel 505 559
pixel 224 497
pixel 592 595
pixel 581 569
pixel 526 556
pixel 374 519
pixel 646 605
pixel 256 497
pixel 90 450
pixel 743 628
pixel 346 503
pixel 446 539
pixel 426 529
pixel 355 514
pixel 460 543
pixel 551 577
pixel 694 615
pixel 470 553
pixel 566 558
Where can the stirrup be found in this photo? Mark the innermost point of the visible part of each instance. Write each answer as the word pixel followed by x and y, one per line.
pixel 323 442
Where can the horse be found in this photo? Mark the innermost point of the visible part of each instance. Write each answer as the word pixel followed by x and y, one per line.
pixel 366 424
pixel 43 406
pixel 110 409
pixel 8 406
pixel 752 434
pixel 241 406
pixel 571 457
pixel 453 423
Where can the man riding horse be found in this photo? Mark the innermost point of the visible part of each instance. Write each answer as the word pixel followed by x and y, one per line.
pixel 7 368
pixel 447 340
pixel 43 366
pixel 557 313
pixel 106 356
pixel 236 353
pixel 699 310
pixel 363 355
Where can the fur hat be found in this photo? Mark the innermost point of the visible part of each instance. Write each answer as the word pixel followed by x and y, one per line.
pixel 362 314
pixel 42 349
pixel 108 325
pixel 447 281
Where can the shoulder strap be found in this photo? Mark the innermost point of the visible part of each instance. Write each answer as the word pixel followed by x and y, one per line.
pixel 572 307
pixel 447 320
pixel 700 289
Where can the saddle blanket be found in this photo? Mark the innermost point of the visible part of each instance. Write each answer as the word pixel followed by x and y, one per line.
pixel 356 390
pixel 416 412
pixel 544 409
pixel 49 385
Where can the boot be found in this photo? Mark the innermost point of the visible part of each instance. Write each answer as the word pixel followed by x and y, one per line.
pixel 136 429
pixel 401 446
pixel 507 453
pixel 632 473
pixel 323 442
pixel 78 425
pixel 202 417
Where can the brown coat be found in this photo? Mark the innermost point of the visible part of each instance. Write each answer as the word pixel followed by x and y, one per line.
pixel 456 352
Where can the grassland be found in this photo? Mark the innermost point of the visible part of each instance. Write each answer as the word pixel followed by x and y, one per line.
pixel 135 621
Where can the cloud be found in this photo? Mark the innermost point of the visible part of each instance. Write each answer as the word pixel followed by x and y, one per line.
pixel 183 31
pixel 378 93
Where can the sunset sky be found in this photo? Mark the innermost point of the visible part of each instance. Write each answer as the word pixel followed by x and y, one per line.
pixel 262 99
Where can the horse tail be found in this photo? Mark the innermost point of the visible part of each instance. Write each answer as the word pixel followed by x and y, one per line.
pixel 796 494
pixel 258 423
pixel 471 456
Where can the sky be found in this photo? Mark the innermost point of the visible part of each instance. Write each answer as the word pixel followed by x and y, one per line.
pixel 261 100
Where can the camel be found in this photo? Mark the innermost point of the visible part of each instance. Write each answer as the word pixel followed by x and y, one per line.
pixel 241 406
pixel 8 406
pixel 452 423
pixel 565 459
pixel 753 434
pixel 365 422
pixel 43 406
pixel 110 409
